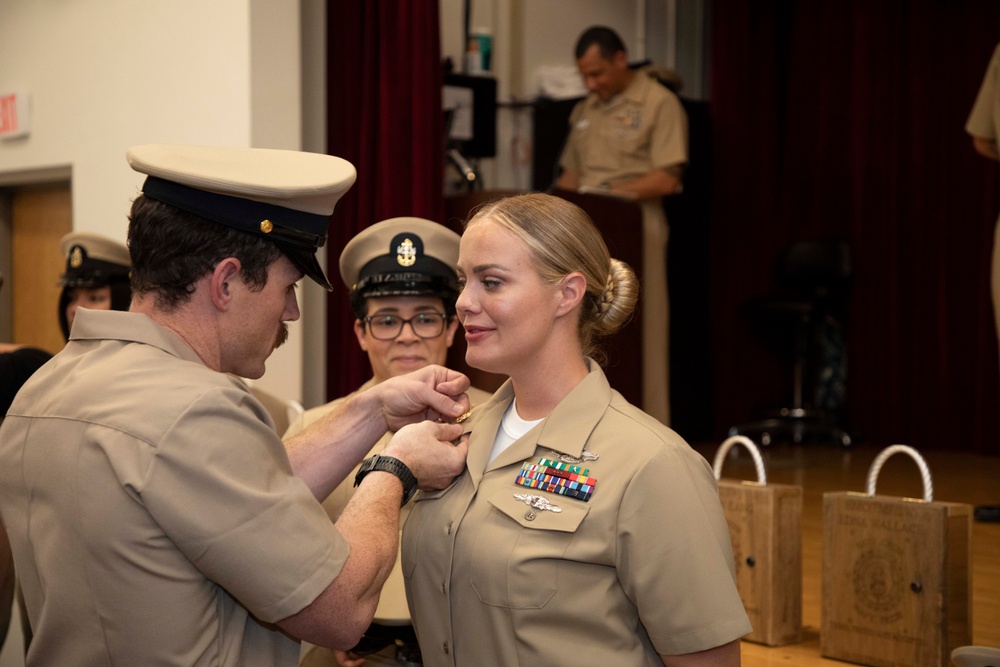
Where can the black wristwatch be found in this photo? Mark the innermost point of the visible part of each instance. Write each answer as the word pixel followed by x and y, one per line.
pixel 389 464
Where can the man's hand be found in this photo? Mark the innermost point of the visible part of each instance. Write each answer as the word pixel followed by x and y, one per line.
pixel 348 659
pixel 653 184
pixel 431 393
pixel 324 453
pixel 428 451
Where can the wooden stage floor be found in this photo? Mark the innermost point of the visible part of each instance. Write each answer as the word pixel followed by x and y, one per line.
pixel 957 477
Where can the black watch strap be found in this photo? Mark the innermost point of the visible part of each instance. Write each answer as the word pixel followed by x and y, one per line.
pixel 393 465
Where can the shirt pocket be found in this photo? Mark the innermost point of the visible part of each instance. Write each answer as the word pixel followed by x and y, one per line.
pixel 518 550
pixel 620 143
pixel 413 529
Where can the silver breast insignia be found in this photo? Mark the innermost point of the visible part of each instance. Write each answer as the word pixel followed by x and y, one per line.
pixel 584 457
pixel 538 502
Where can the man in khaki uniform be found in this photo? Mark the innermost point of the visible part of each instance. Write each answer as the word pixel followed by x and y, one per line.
pixel 155 516
pixel 403 285
pixel 628 138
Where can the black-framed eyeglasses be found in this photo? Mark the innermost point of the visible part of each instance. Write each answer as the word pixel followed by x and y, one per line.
pixel 424 325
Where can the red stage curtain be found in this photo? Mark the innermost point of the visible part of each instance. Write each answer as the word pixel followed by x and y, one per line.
pixel 385 117
pixel 845 118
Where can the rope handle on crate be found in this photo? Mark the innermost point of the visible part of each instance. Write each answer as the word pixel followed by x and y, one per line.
pixel 925 472
pixel 754 452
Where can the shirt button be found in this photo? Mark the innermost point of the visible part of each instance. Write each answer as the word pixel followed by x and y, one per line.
pixel 529 515
pixel 444 588
pixel 449 527
pixel 445 647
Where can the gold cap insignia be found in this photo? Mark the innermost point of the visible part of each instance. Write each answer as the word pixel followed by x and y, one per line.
pixel 266 226
pixel 406 254
pixel 76 257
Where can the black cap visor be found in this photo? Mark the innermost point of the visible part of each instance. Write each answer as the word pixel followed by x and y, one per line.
pixel 297 233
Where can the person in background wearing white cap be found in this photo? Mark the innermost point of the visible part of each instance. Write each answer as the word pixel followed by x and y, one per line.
pixel 155 516
pixel 96 276
pixel 403 285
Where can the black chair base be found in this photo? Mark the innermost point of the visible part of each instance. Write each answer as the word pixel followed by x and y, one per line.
pixel 795 425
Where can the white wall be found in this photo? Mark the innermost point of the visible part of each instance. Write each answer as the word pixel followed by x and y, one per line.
pixel 107 75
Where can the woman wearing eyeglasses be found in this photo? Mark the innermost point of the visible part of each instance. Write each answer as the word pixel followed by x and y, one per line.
pixel 583 531
pixel 401 274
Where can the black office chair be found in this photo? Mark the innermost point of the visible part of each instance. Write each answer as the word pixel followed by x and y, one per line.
pixel 814 280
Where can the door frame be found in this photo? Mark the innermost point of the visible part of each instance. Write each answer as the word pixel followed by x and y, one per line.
pixel 9 182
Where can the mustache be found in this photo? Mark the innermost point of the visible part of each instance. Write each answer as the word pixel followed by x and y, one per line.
pixel 282 336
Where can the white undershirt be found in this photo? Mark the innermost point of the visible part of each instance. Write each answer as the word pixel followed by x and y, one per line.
pixel 512 427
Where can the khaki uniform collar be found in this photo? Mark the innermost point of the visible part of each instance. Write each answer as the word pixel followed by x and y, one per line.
pixel 635 93
pixel 566 430
pixel 131 328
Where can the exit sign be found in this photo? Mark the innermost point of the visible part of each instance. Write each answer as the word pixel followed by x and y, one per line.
pixel 15 115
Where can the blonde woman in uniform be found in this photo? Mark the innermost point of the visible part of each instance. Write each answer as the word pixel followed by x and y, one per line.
pixel 583 531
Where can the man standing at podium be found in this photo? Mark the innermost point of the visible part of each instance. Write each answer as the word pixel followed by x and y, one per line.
pixel 628 138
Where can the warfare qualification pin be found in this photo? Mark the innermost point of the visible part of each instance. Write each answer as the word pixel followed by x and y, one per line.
pixel 538 502
pixel 585 456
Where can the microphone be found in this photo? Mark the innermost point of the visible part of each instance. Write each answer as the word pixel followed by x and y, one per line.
pixel 462 165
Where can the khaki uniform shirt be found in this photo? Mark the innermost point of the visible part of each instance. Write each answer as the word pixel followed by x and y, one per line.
pixel 643 128
pixel 645 566
pixel 392 607
pixel 152 510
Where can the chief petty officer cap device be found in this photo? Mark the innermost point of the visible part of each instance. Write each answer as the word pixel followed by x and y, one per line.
pixel 286 197
pixel 93 260
pixel 401 257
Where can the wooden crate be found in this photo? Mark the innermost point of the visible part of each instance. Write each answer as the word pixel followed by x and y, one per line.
pixel 765 522
pixel 896 580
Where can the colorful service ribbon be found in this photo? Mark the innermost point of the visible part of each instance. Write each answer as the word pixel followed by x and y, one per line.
pixel 564 479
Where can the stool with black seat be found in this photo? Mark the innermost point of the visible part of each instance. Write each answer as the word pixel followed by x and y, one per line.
pixel 814 278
